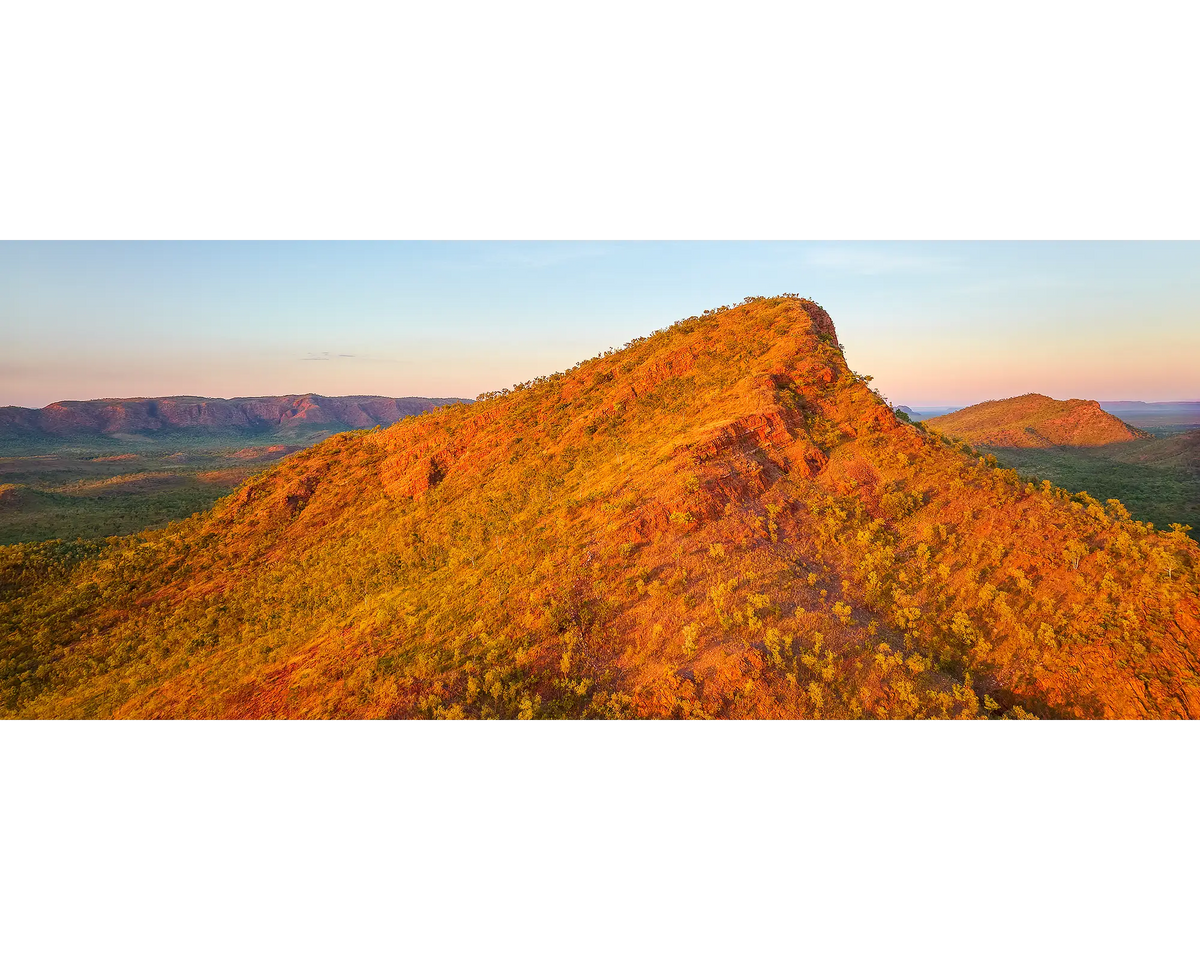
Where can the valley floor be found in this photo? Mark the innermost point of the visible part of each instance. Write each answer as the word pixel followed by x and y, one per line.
pixel 67 492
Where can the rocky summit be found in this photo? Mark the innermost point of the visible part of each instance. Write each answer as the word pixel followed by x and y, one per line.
pixel 721 519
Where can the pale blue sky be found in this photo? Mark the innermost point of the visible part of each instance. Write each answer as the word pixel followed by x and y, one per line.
pixel 934 323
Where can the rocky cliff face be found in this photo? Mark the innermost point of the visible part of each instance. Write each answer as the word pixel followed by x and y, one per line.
pixel 153 416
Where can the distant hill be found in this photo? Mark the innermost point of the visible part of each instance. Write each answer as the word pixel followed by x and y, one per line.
pixel 925 413
pixel 1034 420
pixel 721 519
pixel 147 418
pixel 1161 418
pixel 1132 406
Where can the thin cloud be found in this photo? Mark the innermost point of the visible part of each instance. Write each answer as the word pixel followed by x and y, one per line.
pixel 988 287
pixel 549 255
pixel 329 356
pixel 871 261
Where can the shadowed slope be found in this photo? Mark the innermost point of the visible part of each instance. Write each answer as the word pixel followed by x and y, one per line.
pixel 718 520
pixel 1181 450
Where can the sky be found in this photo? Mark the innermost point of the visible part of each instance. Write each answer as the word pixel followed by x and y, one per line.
pixel 934 323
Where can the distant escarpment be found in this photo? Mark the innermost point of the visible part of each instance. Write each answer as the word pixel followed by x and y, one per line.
pixel 200 416
pixel 1034 420
pixel 721 519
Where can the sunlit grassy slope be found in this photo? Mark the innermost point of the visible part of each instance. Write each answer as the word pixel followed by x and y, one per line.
pixel 719 520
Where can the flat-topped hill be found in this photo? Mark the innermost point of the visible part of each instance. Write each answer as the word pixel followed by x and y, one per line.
pixel 200 416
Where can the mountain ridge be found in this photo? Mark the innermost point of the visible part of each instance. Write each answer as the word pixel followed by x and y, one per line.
pixel 246 415
pixel 719 520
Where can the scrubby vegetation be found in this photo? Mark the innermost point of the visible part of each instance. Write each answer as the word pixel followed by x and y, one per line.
pixel 1156 479
pixel 718 520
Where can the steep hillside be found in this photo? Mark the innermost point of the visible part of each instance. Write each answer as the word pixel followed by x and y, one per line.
pixel 721 519
pixel 205 416
pixel 1036 421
